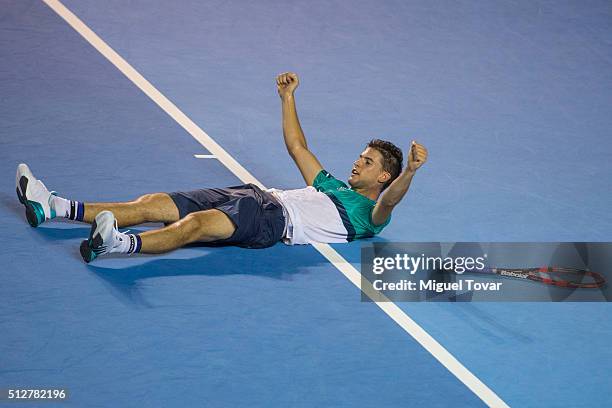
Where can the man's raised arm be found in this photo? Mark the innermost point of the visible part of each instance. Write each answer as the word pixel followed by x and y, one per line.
pixel 292 131
pixel 398 188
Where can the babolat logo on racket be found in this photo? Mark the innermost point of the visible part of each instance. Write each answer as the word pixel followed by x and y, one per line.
pixel 510 273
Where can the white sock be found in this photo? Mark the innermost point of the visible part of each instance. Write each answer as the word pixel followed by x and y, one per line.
pixel 61 206
pixel 73 210
pixel 128 244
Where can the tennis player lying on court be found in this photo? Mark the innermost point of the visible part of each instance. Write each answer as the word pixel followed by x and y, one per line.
pixel 327 210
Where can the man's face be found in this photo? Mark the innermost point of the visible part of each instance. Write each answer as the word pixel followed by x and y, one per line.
pixel 368 171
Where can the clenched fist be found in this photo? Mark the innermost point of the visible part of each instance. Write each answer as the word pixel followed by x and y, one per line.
pixel 286 83
pixel 417 156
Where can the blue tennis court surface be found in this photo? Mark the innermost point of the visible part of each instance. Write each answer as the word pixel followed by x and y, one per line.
pixel 512 99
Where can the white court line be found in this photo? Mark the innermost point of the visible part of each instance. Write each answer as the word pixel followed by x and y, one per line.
pixel 391 309
pixel 204 156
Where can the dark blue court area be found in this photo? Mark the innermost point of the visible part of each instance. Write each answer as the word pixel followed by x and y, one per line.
pixel 513 99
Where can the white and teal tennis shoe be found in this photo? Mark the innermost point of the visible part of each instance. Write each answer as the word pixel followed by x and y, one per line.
pixel 33 194
pixel 104 237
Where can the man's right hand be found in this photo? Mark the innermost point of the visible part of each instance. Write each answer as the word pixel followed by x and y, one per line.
pixel 286 84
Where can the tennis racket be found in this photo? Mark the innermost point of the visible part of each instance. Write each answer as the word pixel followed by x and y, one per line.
pixel 550 275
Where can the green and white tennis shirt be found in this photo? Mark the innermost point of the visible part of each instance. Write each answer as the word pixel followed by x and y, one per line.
pixel 328 211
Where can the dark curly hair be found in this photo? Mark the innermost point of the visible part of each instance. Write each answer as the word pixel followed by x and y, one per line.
pixel 392 158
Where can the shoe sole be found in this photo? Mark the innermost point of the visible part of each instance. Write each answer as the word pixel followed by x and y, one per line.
pixel 87 246
pixel 86 252
pixel 34 212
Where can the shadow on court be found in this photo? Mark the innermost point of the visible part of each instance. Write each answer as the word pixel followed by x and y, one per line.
pixel 271 263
